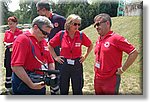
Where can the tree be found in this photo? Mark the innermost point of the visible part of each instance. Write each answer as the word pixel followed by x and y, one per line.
pixel 4 11
pixel 86 11
pixel 25 11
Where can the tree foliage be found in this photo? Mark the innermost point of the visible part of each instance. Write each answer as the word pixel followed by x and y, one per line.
pixel 85 10
pixel 5 13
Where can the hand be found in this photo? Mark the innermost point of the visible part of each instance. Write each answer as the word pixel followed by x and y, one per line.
pixel 39 85
pixel 59 60
pixel 119 72
pixel 82 59
pixel 53 76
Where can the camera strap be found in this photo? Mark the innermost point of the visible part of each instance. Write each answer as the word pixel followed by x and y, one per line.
pixel 33 52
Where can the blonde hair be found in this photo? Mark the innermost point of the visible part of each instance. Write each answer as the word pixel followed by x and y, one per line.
pixel 70 20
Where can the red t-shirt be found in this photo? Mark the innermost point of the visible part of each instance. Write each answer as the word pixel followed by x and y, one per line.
pixel 10 36
pixel 70 48
pixel 109 51
pixel 22 53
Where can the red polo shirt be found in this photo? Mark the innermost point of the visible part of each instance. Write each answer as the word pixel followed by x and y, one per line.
pixel 22 54
pixel 10 36
pixel 109 51
pixel 70 48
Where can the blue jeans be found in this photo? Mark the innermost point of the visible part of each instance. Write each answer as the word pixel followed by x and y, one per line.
pixel 20 88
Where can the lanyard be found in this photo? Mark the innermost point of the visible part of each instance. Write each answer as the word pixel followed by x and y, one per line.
pixel 99 50
pixel 71 44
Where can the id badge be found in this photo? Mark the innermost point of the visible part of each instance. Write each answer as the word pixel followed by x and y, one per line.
pixel 71 62
pixel 10 49
pixel 44 67
pixel 97 64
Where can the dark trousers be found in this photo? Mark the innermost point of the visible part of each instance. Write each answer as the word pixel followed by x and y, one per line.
pixel 73 72
pixel 55 90
pixel 20 88
pixel 7 65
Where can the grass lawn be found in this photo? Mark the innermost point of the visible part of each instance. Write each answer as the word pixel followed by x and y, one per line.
pixel 130 28
pixel 131 83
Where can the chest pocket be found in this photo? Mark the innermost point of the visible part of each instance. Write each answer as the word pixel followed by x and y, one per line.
pixel 76 44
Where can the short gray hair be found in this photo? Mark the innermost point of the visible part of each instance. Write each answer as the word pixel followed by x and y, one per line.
pixel 104 16
pixel 42 20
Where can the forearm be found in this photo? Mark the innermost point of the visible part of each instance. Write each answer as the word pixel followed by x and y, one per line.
pixel 51 49
pixel 88 50
pixel 21 73
pixel 51 66
pixel 131 58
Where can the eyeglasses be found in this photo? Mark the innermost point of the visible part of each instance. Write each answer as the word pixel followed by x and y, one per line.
pixel 44 32
pixel 99 23
pixel 75 24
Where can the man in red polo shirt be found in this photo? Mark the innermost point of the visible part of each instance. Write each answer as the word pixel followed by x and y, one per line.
pixel 108 61
pixel 24 61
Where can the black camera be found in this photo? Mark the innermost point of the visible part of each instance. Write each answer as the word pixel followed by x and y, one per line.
pixel 50 80
pixel 47 77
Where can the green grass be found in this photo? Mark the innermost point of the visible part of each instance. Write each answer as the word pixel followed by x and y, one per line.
pixel 130 28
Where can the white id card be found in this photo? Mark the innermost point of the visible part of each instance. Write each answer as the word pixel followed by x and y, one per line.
pixel 10 49
pixel 43 66
pixel 97 65
pixel 71 62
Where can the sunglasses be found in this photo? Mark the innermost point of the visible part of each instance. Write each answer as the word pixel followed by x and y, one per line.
pixel 75 24
pixel 99 23
pixel 44 32
pixel 39 9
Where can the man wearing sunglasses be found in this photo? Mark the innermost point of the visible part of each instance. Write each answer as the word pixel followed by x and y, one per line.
pixel 24 61
pixel 108 57
pixel 44 9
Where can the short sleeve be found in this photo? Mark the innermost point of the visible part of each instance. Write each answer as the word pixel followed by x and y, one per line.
pixel 20 50
pixel 85 40
pixel 55 41
pixel 124 45
pixel 5 36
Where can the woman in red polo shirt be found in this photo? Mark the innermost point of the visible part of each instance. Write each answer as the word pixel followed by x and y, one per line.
pixel 10 36
pixel 71 58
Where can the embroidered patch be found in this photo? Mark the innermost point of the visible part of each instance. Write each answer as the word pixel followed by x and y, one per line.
pixel 46 48
pixel 77 44
pixel 56 24
pixel 107 44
